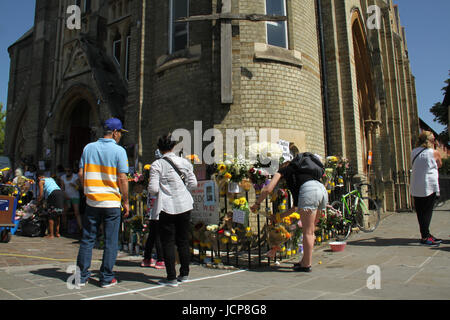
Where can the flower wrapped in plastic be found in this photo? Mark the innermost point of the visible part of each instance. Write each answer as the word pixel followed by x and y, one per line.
pixel 292 222
pixel 259 177
pixel 277 235
pixel 26 211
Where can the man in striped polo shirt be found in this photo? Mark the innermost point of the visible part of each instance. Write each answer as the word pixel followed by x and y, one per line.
pixel 103 174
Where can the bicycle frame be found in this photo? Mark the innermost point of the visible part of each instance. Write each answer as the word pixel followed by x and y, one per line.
pixel 345 204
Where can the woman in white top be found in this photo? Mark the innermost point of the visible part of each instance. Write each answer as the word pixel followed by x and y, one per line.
pixel 425 184
pixel 70 184
pixel 173 207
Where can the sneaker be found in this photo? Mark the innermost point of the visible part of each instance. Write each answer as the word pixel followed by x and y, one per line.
pixel 429 241
pixel 112 283
pixel 83 284
pixel 160 265
pixel 436 239
pixel 146 263
pixel 170 283
pixel 183 279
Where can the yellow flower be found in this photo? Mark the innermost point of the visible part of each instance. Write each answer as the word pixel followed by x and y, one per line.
pixel 289 252
pixel 147 167
pixel 234 238
pixel 242 201
pixel 227 175
pixel 236 202
pixel 222 168
pixel 282 207
pixel 295 215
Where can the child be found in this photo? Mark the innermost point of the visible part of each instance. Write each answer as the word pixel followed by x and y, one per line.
pixel 153 240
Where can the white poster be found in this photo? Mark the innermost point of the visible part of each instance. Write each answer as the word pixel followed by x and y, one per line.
pixel 286 151
pixel 239 216
pixel 206 206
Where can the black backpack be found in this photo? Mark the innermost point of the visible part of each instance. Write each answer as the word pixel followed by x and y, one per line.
pixel 307 163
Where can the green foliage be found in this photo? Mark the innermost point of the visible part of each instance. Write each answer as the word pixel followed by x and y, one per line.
pixel 445 169
pixel 441 115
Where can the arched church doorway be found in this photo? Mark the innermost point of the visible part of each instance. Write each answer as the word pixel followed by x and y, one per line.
pixel 79 131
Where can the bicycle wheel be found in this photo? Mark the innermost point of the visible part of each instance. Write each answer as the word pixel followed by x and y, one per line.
pixel 342 226
pixel 367 214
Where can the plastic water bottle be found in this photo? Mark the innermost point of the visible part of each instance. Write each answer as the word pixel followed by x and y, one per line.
pixel 300 245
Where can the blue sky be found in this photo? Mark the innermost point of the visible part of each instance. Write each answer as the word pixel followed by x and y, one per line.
pixel 427 33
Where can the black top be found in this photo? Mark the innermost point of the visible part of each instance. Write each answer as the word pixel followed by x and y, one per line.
pixel 294 180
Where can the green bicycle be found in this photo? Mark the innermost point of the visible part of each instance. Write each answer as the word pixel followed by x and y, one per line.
pixel 353 211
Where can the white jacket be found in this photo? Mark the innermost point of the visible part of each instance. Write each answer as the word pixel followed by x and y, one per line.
pixel 173 197
pixel 425 174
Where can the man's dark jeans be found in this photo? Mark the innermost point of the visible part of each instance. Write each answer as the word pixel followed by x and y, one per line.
pixel 93 217
pixel 174 229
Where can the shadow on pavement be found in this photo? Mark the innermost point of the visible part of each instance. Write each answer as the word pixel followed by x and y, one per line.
pixel 381 242
pixel 121 276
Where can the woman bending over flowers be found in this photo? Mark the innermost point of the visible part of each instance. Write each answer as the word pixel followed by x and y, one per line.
pixel 310 196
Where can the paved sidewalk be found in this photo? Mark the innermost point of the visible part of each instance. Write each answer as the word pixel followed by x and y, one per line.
pixel 408 270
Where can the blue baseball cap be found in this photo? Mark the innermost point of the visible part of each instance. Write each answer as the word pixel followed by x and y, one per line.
pixel 114 124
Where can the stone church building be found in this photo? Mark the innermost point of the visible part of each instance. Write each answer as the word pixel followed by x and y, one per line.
pixel 333 76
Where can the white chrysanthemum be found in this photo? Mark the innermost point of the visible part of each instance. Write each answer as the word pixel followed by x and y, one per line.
pixel 266 151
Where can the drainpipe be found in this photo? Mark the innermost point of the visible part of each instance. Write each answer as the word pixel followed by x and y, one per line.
pixel 324 76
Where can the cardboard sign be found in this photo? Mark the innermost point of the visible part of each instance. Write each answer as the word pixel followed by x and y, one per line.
pixel 286 151
pixel 206 206
pixel 239 216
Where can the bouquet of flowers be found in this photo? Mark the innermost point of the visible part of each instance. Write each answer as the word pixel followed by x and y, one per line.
pixel 276 236
pixel 292 222
pixel 259 177
pixel 265 152
pixel 26 211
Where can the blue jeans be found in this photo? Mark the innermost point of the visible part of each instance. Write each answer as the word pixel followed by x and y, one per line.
pixel 93 217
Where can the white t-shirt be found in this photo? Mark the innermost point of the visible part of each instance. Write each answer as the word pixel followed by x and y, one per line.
pixel 425 174
pixel 69 187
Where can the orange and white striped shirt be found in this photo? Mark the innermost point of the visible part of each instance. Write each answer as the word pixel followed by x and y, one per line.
pixel 102 161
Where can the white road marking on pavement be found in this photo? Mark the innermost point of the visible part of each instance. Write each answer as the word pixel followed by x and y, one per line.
pixel 160 286
pixel 415 274
pixel 428 259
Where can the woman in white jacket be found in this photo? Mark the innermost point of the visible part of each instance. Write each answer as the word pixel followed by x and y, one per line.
pixel 170 178
pixel 425 184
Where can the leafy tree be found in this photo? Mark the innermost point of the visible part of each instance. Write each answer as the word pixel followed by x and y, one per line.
pixel 2 128
pixel 440 113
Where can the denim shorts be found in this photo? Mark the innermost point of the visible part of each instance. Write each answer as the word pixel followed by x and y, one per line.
pixel 312 196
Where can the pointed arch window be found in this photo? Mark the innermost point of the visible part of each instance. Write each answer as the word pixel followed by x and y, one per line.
pixel 117 45
pixel 127 57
